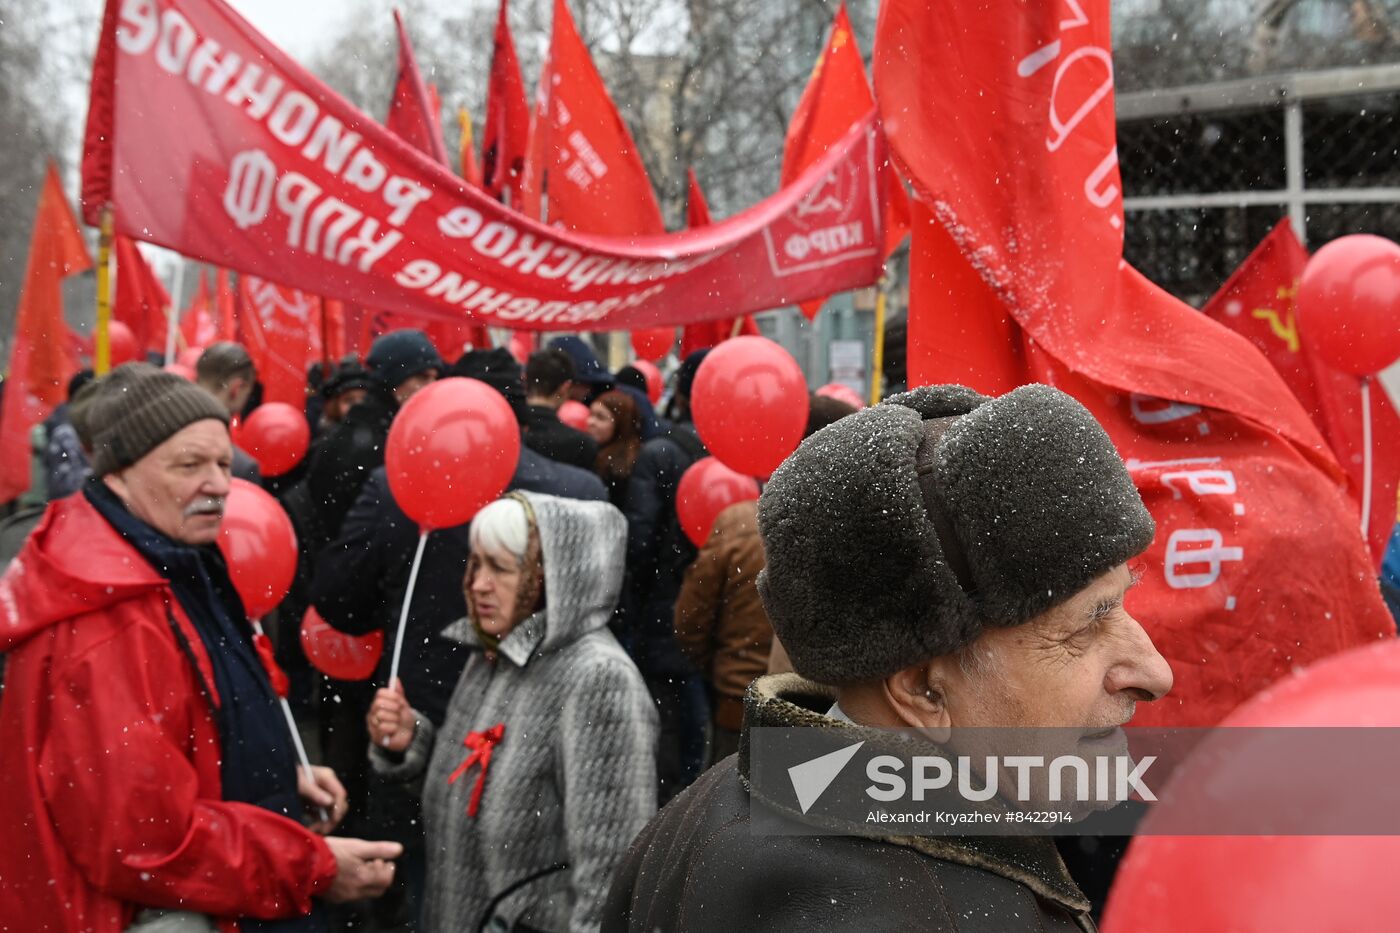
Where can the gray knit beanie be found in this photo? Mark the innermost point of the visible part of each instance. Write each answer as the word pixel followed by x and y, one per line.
pixel 137 407
pixel 900 532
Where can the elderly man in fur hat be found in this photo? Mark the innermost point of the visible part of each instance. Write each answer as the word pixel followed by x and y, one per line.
pixel 943 560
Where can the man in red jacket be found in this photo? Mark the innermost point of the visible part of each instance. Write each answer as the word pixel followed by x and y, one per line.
pixel 146 769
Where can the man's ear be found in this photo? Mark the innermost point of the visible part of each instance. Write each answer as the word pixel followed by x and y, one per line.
pixel 117 483
pixel 917 696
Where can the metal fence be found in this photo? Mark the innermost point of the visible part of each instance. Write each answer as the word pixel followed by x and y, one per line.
pixel 1209 169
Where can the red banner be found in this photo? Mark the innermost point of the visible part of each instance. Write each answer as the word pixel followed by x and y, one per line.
pixel 283 330
pixel 140 302
pixel 506 136
pixel 711 333
pixel 208 139
pixel 1257 304
pixel 1018 276
pixel 197 327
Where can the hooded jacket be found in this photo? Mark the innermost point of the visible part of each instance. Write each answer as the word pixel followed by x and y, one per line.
pixel 110 795
pixel 572 779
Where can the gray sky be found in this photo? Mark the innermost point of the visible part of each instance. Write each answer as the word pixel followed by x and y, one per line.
pixel 298 26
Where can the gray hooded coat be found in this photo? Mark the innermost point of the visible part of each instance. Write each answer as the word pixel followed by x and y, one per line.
pixel 572 780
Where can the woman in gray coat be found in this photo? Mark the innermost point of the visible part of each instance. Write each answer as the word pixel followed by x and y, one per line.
pixel 543 771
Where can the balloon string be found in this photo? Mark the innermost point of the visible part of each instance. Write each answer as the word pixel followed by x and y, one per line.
pixel 1366 458
pixel 296 735
pixel 403 614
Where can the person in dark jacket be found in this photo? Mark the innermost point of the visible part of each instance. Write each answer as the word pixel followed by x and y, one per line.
pixel 591 379
pixel 939 561
pixel 401 363
pixel 359 585
pixel 549 381
pixel 616 425
pixel 66 464
pixel 657 554
pixel 720 622
pixel 226 371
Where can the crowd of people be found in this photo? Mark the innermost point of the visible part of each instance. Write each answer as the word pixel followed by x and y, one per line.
pixel 571 662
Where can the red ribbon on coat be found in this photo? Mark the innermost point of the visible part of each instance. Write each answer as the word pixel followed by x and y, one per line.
pixel 278 678
pixel 481 745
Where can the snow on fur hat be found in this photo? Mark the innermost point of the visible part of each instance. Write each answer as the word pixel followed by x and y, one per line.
pixel 900 532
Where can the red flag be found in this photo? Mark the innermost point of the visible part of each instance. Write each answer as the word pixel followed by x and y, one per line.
pixel 197 323
pixel 506 136
pixel 141 301
pixel 41 353
pixel 708 333
pixel 837 95
pixel 333 329
pixel 226 319
pixel 1017 276
pixel 412 115
pixel 583 162
pixel 466 149
pixel 283 336
pixel 1257 303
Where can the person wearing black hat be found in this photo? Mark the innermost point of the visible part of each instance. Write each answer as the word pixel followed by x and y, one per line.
pixel 358 587
pixel 549 382
pixel 590 378
pixel 400 363
pixel 148 770
pixel 940 561
pixel 346 387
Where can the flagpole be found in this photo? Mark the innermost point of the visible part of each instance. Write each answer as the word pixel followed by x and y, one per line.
pixel 102 345
pixel 878 367
pixel 172 313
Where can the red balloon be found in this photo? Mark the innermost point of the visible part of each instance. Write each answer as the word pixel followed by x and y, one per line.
pixel 706 489
pixel 842 393
pixel 183 371
pixel 750 404
pixel 260 547
pixel 652 343
pixel 190 356
pixel 574 414
pixel 654 381
pixel 1349 303
pixel 276 435
pixel 121 344
pixel 1278 884
pixel 452 449
pixel 336 654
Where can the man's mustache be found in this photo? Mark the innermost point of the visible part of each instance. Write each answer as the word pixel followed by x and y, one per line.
pixel 208 505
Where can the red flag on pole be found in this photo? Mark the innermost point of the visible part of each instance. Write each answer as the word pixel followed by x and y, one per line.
pixel 708 333
pixel 197 323
pixel 837 95
pixel 583 164
pixel 141 301
pixel 41 353
pixel 1257 304
pixel 505 139
pixel 1018 276
pixel 412 116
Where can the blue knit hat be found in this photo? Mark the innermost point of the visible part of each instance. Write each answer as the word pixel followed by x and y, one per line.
pixel 398 356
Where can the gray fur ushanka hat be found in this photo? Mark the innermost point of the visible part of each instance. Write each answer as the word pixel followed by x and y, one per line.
pixel 898 533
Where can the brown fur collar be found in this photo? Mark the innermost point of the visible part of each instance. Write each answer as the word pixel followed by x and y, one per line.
pixel 788 700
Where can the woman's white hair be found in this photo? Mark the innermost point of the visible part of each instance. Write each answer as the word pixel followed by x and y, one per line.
pixel 501 526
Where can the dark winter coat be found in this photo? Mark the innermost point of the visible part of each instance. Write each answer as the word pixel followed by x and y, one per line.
pixel 698 867
pixel 657 552
pixel 546 435
pixel 342 461
pixel 360 578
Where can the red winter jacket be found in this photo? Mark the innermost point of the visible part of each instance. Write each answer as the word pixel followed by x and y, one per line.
pixel 109 752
